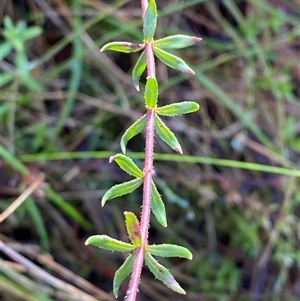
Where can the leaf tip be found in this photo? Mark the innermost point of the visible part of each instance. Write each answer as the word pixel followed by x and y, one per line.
pixel 111 159
pixel 190 71
pixel 197 39
pixel 178 149
pixel 88 241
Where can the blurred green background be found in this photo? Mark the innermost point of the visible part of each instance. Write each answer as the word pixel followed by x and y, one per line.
pixel 233 197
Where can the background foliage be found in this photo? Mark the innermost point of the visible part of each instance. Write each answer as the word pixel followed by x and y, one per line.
pixel 63 107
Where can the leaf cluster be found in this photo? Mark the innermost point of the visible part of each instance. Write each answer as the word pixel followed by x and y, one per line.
pixel 16 37
pixel 164 250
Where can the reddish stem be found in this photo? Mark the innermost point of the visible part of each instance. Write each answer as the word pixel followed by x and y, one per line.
pixel 147 187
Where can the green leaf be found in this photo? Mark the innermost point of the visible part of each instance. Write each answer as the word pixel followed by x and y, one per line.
pixel 172 61
pixel 31 33
pixel 31 83
pixel 132 131
pixel 12 160
pixel 176 42
pixel 8 24
pixel 151 93
pixel 5 78
pixel 166 135
pixel 22 64
pixel 158 206
pixel 124 271
pixel 108 243
pixel 126 47
pixel 168 250
pixel 138 70
pixel 163 274
pixel 133 228
pixel 5 49
pixel 150 21
pixel 67 208
pixel 127 165
pixel 121 189
pixel 178 108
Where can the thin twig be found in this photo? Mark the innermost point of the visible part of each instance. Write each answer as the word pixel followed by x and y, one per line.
pixel 37 271
pixel 22 198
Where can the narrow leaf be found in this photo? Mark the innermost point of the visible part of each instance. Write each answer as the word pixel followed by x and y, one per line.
pixel 133 228
pixel 166 135
pixel 168 250
pixel 158 206
pixel 124 271
pixel 122 47
pixel 5 49
pixel 31 33
pixel 151 93
pixel 12 160
pixel 121 189
pixel 108 243
pixel 8 24
pixel 163 274
pixel 176 42
pixel 178 108
pixel 127 165
pixel 138 70
pixel 150 21
pixel 172 61
pixel 132 131
pixel 6 78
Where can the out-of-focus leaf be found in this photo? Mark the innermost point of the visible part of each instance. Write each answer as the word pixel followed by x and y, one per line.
pixel 8 24
pixel 5 78
pixel 121 189
pixel 151 93
pixel 158 206
pixel 176 42
pixel 124 271
pixel 13 160
pixel 172 61
pixel 132 131
pixel 126 47
pixel 133 228
pixel 178 108
pixel 163 274
pixel 31 33
pixel 22 64
pixel 68 208
pixel 31 83
pixel 127 165
pixel 138 70
pixel 150 21
pixel 108 243
pixel 5 49
pixel 166 135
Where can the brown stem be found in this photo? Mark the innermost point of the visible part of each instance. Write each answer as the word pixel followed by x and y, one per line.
pixel 147 187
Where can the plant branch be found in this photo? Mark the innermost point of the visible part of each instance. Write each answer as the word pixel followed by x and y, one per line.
pixel 148 171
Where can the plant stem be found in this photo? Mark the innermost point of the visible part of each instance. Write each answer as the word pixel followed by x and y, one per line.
pixel 147 186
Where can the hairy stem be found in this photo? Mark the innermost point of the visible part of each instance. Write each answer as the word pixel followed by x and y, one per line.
pixel 147 187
